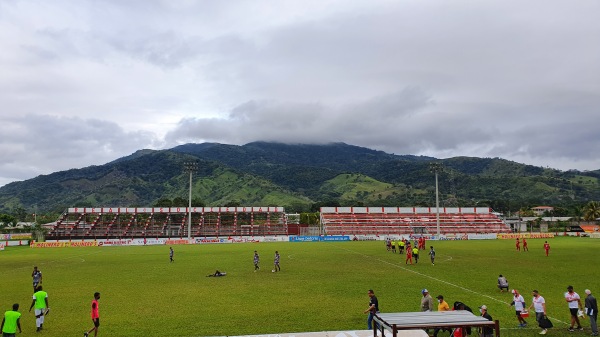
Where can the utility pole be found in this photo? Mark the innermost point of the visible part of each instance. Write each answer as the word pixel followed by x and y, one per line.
pixel 190 167
pixel 436 167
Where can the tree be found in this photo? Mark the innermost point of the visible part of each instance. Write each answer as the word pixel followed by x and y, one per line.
pixel 179 202
pixel 591 211
pixel 6 220
pixel 163 202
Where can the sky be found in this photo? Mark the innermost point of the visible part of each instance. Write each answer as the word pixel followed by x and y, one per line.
pixel 86 82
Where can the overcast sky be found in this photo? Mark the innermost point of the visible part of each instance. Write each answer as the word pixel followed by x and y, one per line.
pixel 85 82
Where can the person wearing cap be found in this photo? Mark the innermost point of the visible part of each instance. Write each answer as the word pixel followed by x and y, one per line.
pixel 442 306
pixel 519 303
pixel 539 304
pixel 486 331
pixel 426 301
pixel 372 309
pixel 591 310
pixel 502 283
pixel 574 302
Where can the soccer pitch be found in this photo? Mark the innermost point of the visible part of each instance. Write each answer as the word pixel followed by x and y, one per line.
pixel 322 286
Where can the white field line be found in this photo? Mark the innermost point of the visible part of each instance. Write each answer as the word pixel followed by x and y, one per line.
pixel 436 279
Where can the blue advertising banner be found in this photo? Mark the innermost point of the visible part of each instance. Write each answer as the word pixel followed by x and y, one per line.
pixel 316 238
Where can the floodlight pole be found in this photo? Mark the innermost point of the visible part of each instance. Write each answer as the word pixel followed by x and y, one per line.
pixel 190 167
pixel 436 168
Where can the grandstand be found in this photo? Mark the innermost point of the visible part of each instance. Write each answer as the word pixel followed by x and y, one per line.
pixel 409 220
pixel 167 222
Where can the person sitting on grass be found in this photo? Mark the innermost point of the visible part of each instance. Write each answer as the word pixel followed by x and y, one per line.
pixel 216 274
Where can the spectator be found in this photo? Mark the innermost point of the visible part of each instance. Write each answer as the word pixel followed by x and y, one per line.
pixel 591 310
pixel 486 331
pixel 372 309
pixel 426 301
pixel 442 306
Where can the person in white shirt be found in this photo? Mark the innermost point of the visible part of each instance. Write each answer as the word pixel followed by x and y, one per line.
pixel 539 305
pixel 519 303
pixel 574 302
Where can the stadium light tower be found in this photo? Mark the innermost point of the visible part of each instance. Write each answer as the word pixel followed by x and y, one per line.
pixel 436 168
pixel 190 167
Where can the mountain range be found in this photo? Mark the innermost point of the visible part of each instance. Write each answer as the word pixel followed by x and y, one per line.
pixel 300 177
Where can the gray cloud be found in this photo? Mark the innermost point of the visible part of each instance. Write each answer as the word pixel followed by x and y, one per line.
pixel 497 79
pixel 42 144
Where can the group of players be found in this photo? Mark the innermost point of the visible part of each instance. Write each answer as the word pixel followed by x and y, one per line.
pixel 276 266
pixel 412 251
pixel 12 318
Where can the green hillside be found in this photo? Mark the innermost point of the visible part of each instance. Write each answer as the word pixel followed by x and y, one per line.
pixel 300 177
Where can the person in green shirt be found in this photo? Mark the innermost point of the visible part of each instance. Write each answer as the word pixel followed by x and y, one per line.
pixel 11 321
pixel 40 301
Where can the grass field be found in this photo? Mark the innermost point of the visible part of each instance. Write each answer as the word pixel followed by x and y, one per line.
pixel 322 286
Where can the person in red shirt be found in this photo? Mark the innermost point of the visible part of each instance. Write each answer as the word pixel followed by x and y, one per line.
pixel 408 255
pixel 518 245
pixel 546 247
pixel 95 316
pixel 525 249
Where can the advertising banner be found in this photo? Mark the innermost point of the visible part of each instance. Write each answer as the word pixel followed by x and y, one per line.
pixel 117 242
pixel 526 236
pixel 15 236
pixel 64 244
pixel 312 238
pixel 317 238
pixel 179 242
pixel 490 236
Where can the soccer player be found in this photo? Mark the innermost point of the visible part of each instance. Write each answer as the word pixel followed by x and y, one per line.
pixel 372 309
pixel 11 321
pixel 546 247
pixel 276 262
pixel 40 301
pixel 518 244
pixel 415 253
pixel 574 302
pixel 432 256
pixel 37 277
pixel 171 253
pixel 525 249
pixel 539 304
pixel 408 255
pixel 394 246
pixel 519 303
pixel 95 316
pixel 256 261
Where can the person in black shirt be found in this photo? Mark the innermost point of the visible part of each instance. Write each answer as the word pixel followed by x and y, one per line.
pixel 486 331
pixel 372 310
